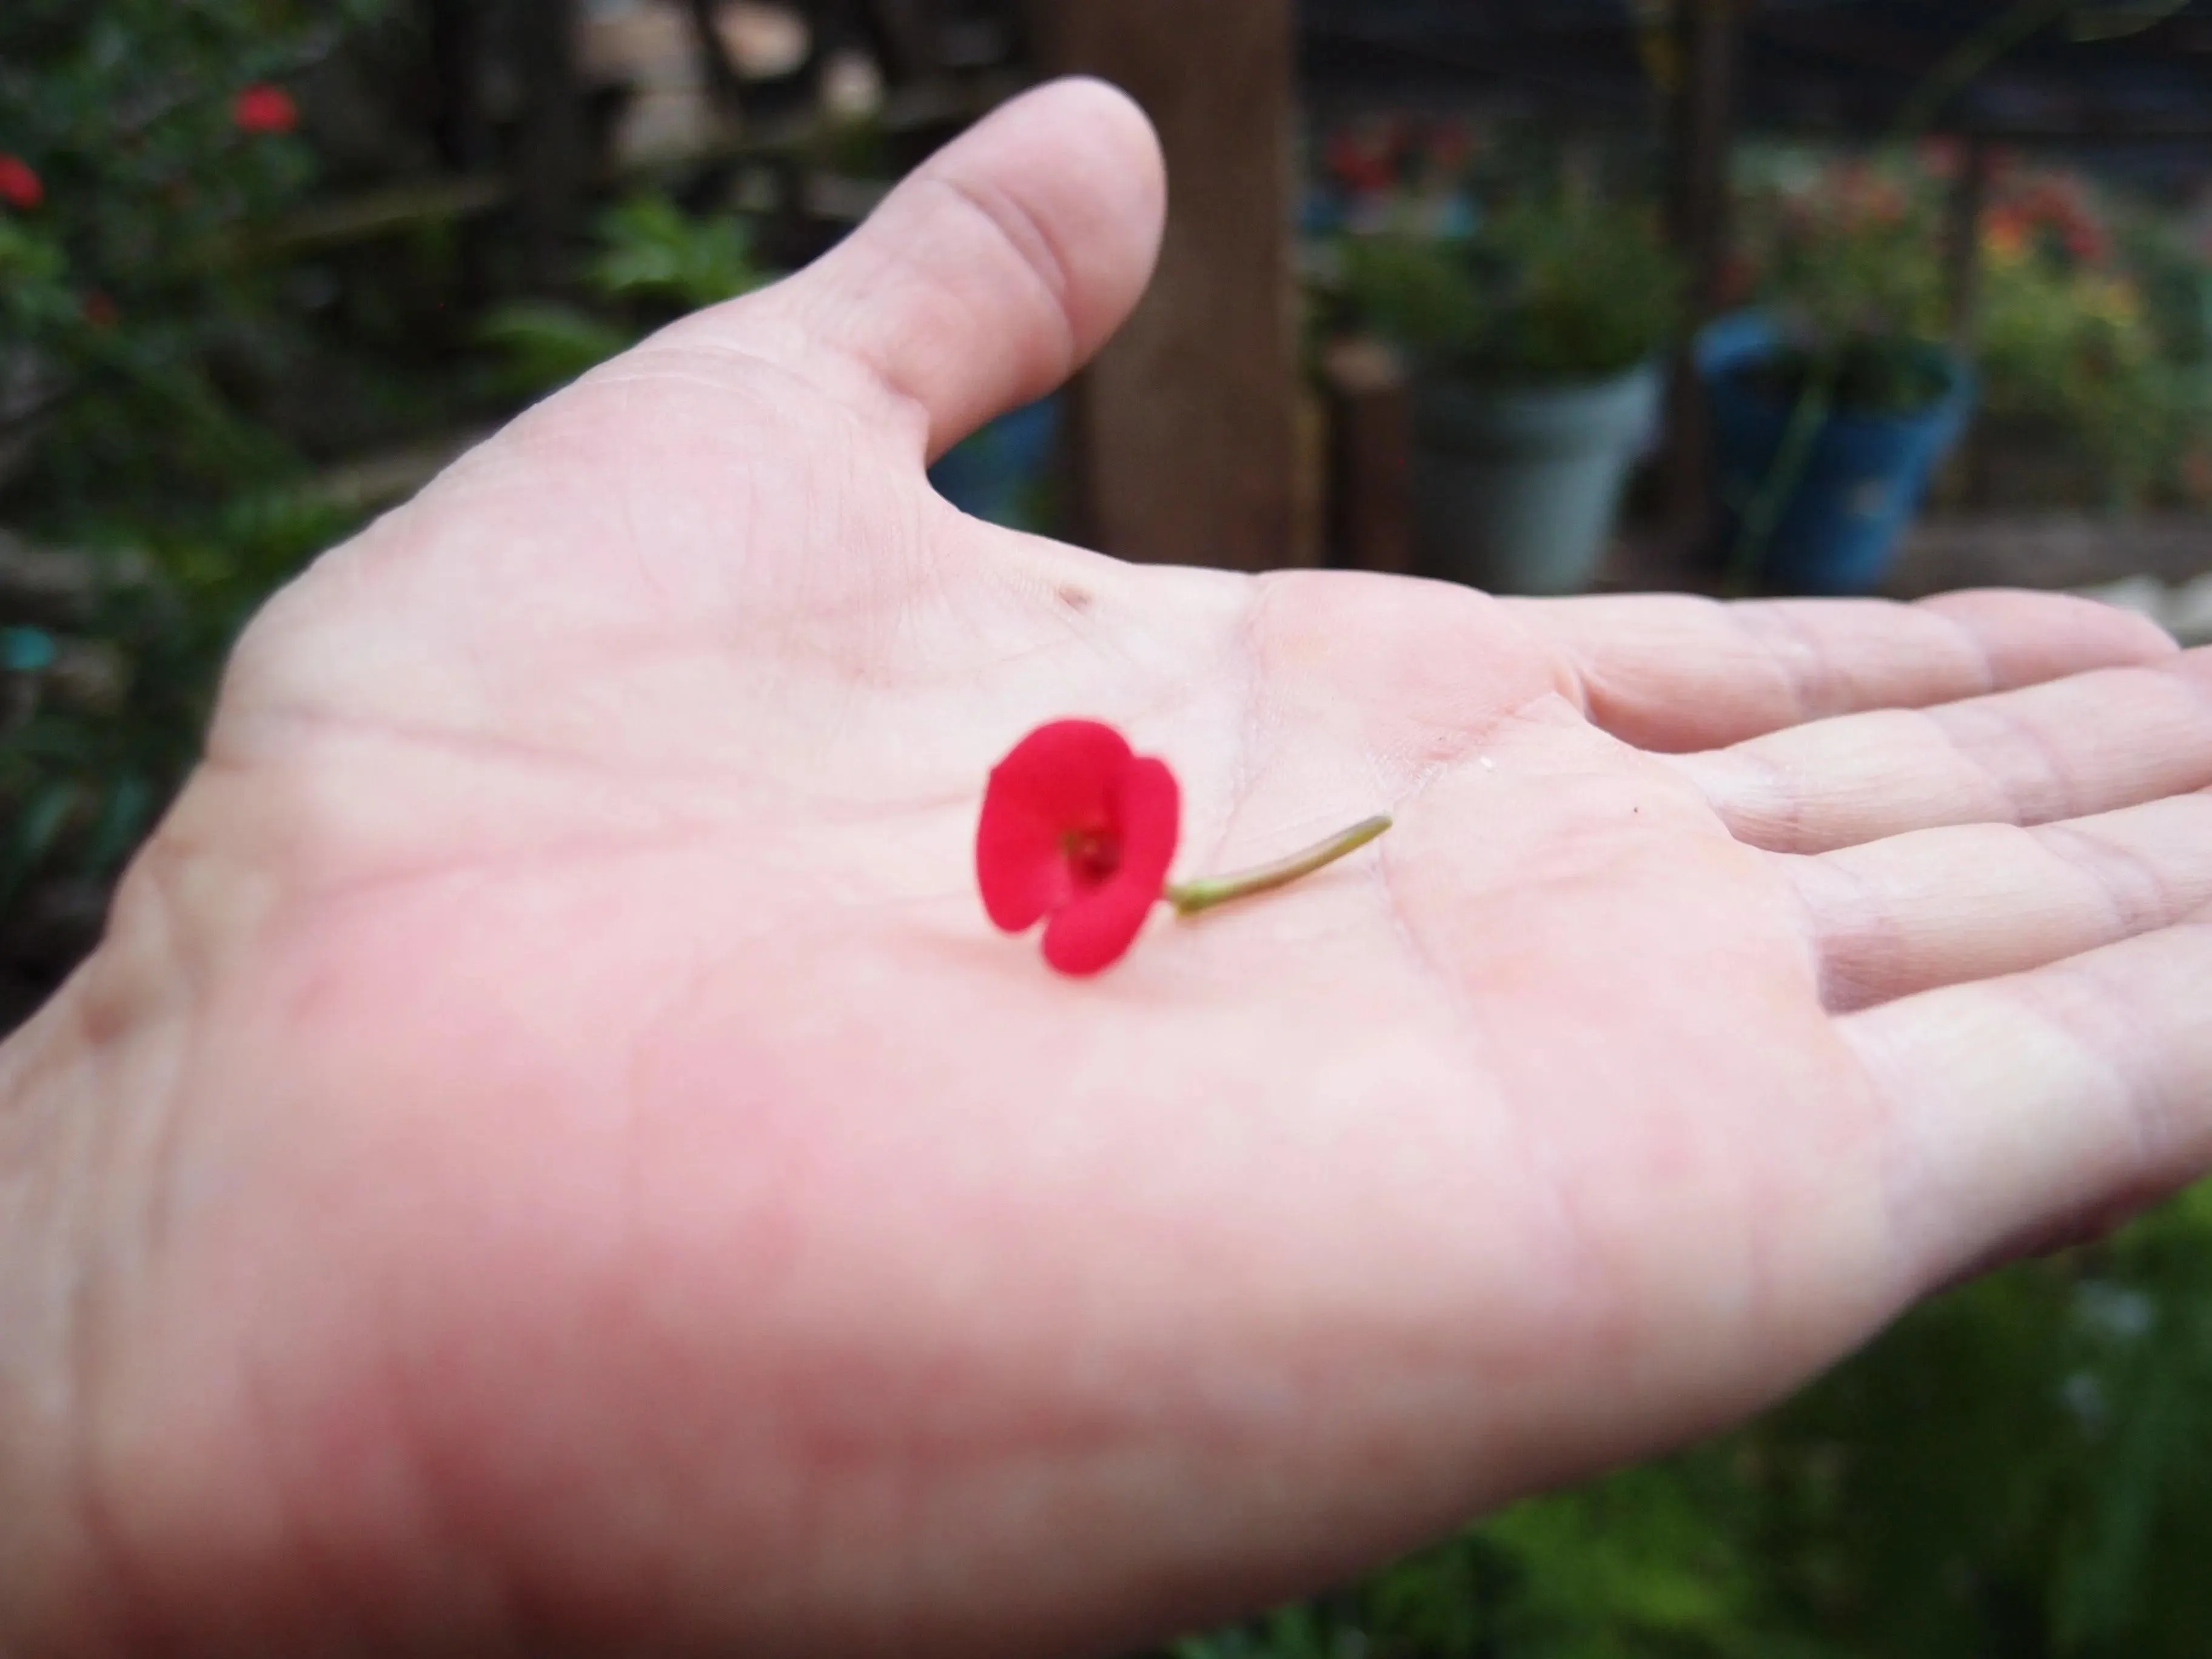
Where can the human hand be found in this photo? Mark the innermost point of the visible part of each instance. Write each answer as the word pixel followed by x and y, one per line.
pixel 551 1155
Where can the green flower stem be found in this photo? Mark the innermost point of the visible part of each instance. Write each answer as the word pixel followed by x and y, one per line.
pixel 1193 898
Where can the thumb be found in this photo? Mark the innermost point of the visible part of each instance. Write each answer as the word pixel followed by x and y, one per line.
pixel 991 274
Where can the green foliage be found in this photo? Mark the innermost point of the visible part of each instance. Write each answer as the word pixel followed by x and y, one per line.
pixel 84 776
pixel 127 304
pixel 2174 278
pixel 139 337
pixel 655 252
pixel 1848 254
pixel 1646 1560
pixel 655 262
pixel 2102 342
pixel 2070 351
pixel 151 349
pixel 542 344
pixel 1559 291
pixel 2022 1468
pixel 1848 250
pixel 2103 347
pixel 1660 1561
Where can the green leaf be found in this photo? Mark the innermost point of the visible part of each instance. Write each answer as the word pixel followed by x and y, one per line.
pixel 37 829
pixel 548 345
pixel 656 251
pixel 123 821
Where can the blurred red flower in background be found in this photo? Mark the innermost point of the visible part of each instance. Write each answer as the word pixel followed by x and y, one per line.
pixel 1356 166
pixel 2052 207
pixel 19 187
pixel 262 108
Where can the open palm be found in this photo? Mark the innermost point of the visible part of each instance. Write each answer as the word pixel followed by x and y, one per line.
pixel 552 1153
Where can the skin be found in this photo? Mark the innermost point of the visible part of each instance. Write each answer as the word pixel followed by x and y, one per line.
pixel 551 1155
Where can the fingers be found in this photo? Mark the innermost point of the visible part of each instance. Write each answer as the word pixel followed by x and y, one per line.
pixel 2022 1106
pixel 989 276
pixel 1949 906
pixel 2069 749
pixel 1673 674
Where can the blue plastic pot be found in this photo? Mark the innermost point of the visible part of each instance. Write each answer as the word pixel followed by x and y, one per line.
pixel 1856 487
pixel 1516 489
pixel 999 473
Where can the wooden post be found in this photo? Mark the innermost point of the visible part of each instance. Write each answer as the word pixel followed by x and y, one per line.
pixel 458 42
pixel 460 48
pixel 1709 43
pixel 1184 429
pixel 549 168
pixel 1371 439
pixel 1970 473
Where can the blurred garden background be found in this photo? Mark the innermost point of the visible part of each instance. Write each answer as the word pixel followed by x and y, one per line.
pixel 1732 296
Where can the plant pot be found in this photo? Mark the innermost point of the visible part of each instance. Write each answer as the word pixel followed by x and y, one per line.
pixel 1857 483
pixel 1516 489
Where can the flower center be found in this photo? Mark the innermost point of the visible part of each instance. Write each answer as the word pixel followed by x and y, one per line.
pixel 1093 855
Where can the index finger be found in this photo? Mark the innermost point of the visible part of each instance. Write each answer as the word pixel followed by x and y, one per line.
pixel 1675 674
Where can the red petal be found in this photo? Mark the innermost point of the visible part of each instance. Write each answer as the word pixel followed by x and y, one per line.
pixel 263 108
pixel 1148 810
pixel 1095 930
pixel 1061 777
pixel 18 185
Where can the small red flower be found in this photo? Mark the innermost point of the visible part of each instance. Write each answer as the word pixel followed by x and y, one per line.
pixel 20 187
pixel 1077 833
pixel 100 310
pixel 262 108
